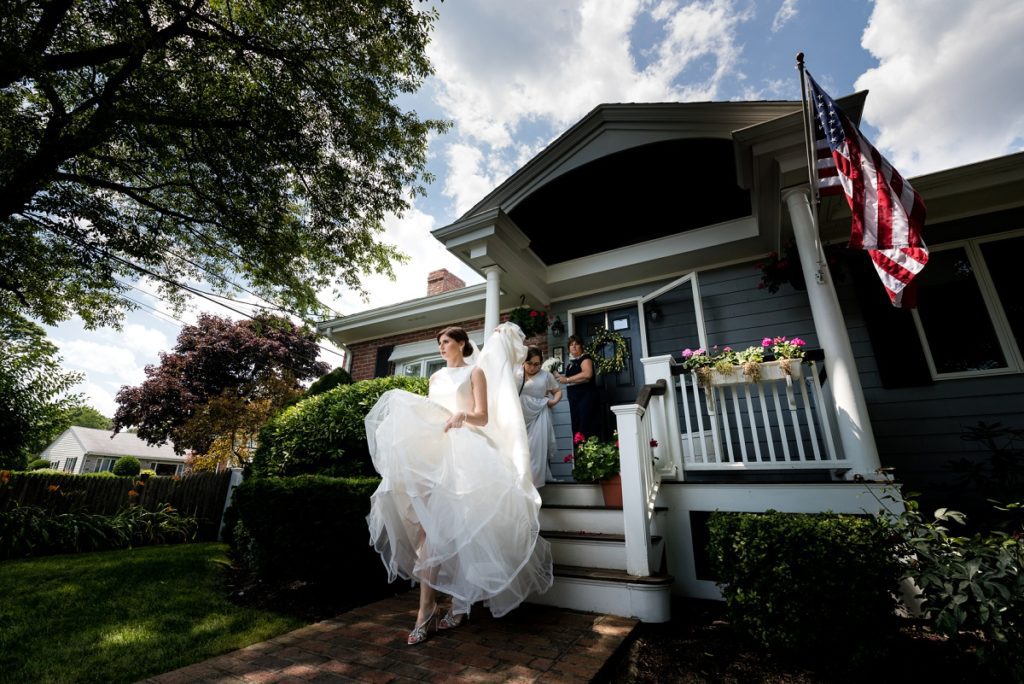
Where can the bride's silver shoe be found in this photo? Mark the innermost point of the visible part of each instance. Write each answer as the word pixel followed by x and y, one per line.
pixel 452 620
pixel 422 631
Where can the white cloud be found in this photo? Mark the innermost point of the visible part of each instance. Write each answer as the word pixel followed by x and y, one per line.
pixel 411 234
pixel 943 94
pixel 100 398
pixel 111 360
pixel 146 341
pixel 782 17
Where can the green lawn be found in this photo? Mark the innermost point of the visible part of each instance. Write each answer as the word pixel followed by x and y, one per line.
pixel 119 616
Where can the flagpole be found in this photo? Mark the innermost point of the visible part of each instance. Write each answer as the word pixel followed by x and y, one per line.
pixel 812 165
pixel 808 133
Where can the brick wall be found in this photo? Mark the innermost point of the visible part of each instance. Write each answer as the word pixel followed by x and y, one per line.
pixel 364 354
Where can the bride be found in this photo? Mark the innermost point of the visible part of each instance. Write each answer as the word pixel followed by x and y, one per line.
pixel 456 509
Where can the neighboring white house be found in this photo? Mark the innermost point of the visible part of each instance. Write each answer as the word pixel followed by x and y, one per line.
pixel 88 450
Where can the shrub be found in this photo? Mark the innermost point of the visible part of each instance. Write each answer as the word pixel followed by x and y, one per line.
pixel 126 466
pixel 35 531
pixel 39 464
pixel 338 376
pixel 969 585
pixel 147 473
pixel 324 434
pixel 308 527
pixel 807 584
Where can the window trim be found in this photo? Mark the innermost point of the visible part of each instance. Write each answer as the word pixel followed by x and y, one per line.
pixel 993 306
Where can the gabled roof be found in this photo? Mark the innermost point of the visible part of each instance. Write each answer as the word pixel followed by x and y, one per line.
pixel 107 443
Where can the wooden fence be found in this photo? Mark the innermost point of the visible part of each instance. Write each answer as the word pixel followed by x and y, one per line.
pixel 200 494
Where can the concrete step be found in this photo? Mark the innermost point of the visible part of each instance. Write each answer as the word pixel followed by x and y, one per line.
pixel 593 549
pixel 601 590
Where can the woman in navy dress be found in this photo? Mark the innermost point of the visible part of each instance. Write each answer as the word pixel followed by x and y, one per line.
pixel 584 398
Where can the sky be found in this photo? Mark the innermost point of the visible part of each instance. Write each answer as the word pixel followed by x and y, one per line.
pixel 512 76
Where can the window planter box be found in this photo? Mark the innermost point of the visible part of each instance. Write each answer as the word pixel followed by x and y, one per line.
pixel 771 371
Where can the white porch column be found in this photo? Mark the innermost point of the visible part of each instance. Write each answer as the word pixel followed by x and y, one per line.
pixel 855 433
pixel 491 308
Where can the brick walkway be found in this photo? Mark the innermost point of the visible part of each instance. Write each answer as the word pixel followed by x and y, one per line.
pixel 530 644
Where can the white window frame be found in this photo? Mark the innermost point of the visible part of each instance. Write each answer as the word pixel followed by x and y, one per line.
pixel 70 464
pixel 420 354
pixel 109 461
pixel 993 306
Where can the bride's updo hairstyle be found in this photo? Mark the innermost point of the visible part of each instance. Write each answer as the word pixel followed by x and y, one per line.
pixel 459 335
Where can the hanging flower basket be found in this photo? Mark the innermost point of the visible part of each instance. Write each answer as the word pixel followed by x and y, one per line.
pixel 620 352
pixel 531 321
pixel 767 371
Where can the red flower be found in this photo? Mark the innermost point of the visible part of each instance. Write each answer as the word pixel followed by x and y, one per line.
pixel 533 314
pixel 616 444
pixel 578 438
pixel 654 443
pixel 567 459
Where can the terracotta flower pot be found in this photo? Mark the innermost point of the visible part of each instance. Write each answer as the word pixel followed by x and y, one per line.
pixel 612 491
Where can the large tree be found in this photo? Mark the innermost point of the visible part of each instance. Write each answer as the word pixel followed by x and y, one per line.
pixel 220 383
pixel 86 416
pixel 34 391
pixel 202 140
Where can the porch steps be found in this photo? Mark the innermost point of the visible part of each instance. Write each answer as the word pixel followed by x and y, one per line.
pixel 588 546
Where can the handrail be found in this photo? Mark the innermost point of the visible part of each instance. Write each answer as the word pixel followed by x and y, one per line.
pixel 643 397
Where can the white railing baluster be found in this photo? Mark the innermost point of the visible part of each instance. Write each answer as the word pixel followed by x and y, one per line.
pixel 810 421
pixel 781 418
pixel 752 417
pixel 767 424
pixel 819 405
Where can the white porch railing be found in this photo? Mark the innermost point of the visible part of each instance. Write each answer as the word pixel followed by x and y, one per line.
pixel 780 421
pixel 640 479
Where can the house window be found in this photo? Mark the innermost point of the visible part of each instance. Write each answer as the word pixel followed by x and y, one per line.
pixel 69 465
pixel 422 368
pixel 968 321
pixel 105 464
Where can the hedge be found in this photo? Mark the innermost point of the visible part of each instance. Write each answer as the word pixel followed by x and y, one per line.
pixel 324 434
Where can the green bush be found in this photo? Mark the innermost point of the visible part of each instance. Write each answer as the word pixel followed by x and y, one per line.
pixel 39 464
pixel 808 584
pixel 324 434
pixel 338 376
pixel 308 527
pixel 35 531
pixel 147 473
pixel 969 585
pixel 126 466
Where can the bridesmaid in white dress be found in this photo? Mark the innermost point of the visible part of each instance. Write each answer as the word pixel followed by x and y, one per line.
pixel 456 509
pixel 539 392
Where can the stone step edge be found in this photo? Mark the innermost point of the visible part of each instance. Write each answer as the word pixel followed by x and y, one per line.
pixel 614 576
pixel 592 536
pixel 590 508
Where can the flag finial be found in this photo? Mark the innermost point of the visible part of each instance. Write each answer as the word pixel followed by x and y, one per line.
pixel 800 60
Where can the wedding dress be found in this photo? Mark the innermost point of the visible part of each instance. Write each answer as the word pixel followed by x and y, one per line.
pixel 470 489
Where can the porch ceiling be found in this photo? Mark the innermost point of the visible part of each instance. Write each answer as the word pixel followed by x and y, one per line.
pixel 639 194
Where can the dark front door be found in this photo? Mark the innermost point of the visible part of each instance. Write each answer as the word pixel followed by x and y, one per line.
pixel 621 387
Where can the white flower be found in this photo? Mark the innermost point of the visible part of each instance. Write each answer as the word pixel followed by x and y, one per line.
pixel 552 364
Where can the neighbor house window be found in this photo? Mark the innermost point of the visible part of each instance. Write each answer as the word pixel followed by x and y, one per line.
pixel 969 320
pixel 105 464
pixel 69 465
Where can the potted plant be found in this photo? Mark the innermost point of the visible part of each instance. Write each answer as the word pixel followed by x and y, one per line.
pixel 531 321
pixel 728 367
pixel 598 461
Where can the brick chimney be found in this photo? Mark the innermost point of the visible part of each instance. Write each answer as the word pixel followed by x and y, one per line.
pixel 443 281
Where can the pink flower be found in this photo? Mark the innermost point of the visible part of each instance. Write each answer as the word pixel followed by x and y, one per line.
pixel 766 342
pixel 654 443
pixel 578 438
pixel 567 459
pixel 727 349
pixel 780 340
pixel 616 444
pixel 798 342
pixel 687 353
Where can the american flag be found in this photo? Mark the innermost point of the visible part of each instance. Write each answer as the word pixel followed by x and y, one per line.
pixel 888 214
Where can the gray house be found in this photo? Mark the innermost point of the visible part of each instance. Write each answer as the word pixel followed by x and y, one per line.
pixel 88 450
pixel 651 220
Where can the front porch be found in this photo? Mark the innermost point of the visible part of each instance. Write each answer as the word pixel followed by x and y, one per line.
pixel 733 445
